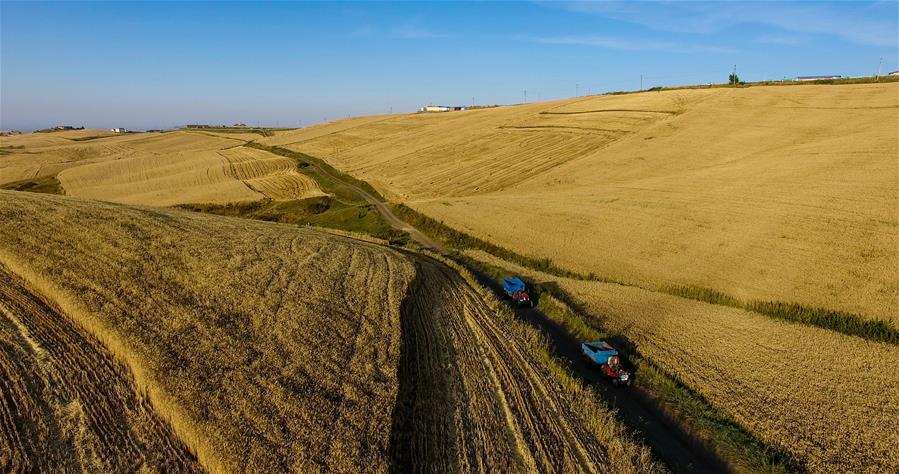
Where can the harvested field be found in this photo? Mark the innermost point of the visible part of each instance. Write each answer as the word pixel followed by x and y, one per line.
pixel 273 348
pixel 66 404
pixel 158 169
pixel 764 193
pixel 491 149
pixel 831 401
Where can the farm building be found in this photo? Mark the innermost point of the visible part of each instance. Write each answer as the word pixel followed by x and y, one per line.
pixel 894 73
pixel 816 78
pixel 441 108
pixel 117 130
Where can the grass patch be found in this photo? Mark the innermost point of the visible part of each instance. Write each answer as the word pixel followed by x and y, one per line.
pixel 47 185
pixel 261 131
pixel 738 447
pixel 343 209
pixel 330 179
pixel 8 149
pixel 320 211
pixel 92 137
pixel 839 321
pixel 363 219
pixel 459 240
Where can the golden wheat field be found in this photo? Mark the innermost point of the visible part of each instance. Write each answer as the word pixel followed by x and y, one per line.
pixel 265 347
pixel 768 193
pixel 829 400
pixel 66 404
pixel 159 169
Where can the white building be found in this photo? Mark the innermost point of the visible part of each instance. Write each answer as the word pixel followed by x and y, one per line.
pixel 816 78
pixel 441 108
pixel 117 130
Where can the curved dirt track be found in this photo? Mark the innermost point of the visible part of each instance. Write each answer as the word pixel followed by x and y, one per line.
pixel 66 404
pixel 472 397
pixel 677 448
pixel 680 451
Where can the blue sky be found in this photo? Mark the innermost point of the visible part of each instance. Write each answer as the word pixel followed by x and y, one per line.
pixel 148 65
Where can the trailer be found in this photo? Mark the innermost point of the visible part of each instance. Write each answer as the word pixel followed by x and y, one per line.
pixel 515 288
pixel 606 357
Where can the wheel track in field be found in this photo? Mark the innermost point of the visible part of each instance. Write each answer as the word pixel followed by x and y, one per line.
pixel 670 440
pixel 471 397
pixel 67 403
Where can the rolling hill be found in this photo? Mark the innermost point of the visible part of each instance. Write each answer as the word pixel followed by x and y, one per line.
pixel 766 193
pixel 253 346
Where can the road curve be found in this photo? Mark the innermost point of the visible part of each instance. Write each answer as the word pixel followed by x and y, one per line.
pixel 677 448
pixel 386 213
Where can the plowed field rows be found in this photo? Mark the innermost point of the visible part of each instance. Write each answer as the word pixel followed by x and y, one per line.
pixel 481 400
pixel 66 404
pixel 471 153
pixel 273 348
pixel 764 193
pixel 789 384
pixel 157 169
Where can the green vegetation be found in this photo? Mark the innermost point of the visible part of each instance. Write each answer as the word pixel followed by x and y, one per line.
pixel 331 180
pixel 730 441
pixel 459 240
pixel 5 150
pixel 48 185
pixel 92 137
pixel 846 323
pixel 320 211
pixel 344 209
pixel 262 131
pixel 839 321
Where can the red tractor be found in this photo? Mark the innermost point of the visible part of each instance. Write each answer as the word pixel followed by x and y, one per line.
pixel 605 356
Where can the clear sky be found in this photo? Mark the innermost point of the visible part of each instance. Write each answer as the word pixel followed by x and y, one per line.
pixel 149 65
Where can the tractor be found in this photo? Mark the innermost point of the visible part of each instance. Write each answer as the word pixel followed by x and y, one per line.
pixel 606 357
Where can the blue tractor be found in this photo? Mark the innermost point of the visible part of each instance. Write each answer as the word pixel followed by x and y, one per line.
pixel 517 290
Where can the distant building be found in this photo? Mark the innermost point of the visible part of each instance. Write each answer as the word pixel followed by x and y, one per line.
pixel 816 78
pixel 441 108
pixel 117 130
pixel 894 73
pixel 67 127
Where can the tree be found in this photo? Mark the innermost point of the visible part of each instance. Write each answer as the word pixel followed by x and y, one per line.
pixel 733 79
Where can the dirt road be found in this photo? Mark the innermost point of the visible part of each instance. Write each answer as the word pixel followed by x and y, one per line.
pixel 680 451
pixel 473 397
pixel 385 212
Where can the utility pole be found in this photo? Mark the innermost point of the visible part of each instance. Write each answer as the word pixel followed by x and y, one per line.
pixel 735 75
pixel 525 96
pixel 576 87
pixel 878 67
pixel 641 82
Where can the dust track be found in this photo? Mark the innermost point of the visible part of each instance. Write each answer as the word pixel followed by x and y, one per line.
pixel 471 397
pixel 66 404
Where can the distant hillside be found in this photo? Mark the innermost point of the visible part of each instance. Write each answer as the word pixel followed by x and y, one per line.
pixel 769 193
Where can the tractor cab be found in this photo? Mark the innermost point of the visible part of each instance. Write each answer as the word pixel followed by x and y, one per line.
pixel 606 357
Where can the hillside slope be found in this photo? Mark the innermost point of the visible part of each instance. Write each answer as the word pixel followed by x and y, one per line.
pixel 274 348
pixel 770 193
pixel 158 169
pixel 778 380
